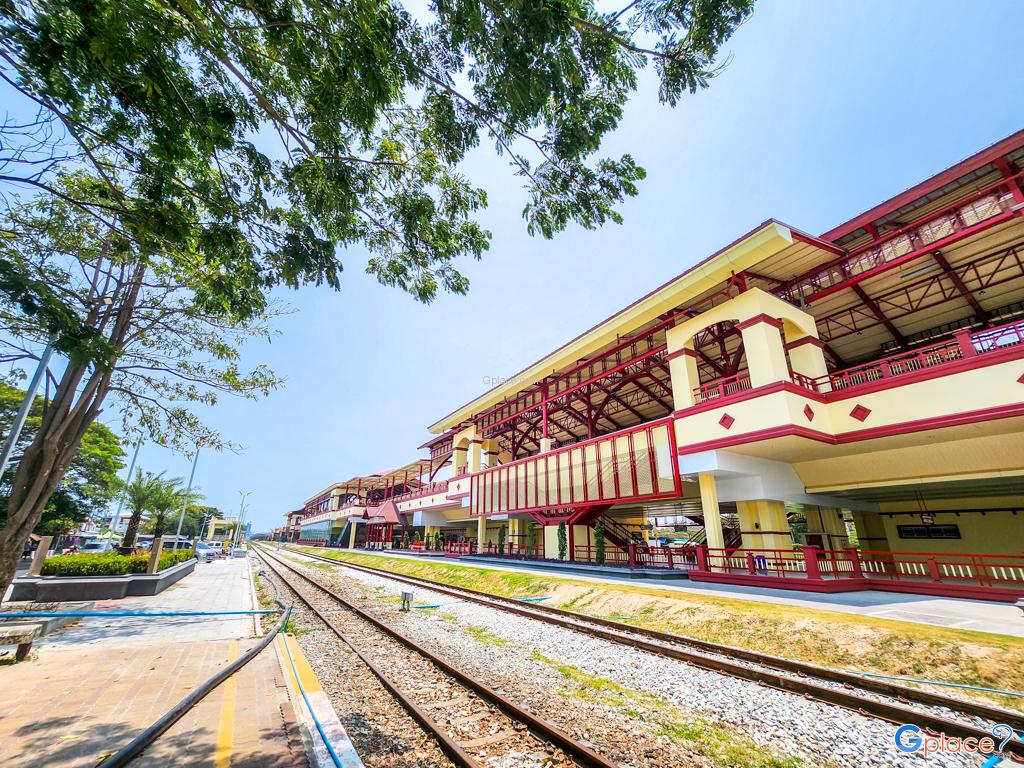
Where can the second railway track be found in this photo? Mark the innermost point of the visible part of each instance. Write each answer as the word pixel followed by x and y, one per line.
pixel 875 698
pixel 476 719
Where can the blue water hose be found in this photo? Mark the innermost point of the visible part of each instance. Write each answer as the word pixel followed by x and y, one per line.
pixel 316 721
pixel 947 685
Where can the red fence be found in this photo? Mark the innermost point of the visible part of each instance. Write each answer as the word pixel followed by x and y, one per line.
pixel 965 345
pixel 723 387
pixel 630 465
pixel 998 577
pixel 987 577
pixel 424 490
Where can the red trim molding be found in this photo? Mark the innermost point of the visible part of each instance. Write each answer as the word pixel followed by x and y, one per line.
pixel 872 433
pixel 684 352
pixel 813 340
pixel 757 320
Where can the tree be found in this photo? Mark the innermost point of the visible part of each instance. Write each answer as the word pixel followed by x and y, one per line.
pixel 172 222
pixel 90 481
pixel 405 539
pixel 142 494
pixel 563 541
pixel 599 542
pixel 501 540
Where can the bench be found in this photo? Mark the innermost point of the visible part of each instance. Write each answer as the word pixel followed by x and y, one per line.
pixel 21 634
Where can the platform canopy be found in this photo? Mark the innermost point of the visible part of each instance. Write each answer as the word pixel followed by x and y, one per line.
pixel 409 476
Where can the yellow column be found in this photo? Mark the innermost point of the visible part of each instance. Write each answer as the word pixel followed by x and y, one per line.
pixel 763 525
pixel 491 451
pixel 762 345
pixel 475 446
pixel 682 366
pixel 871 532
pixel 806 357
pixel 481 533
pixel 352 535
pixel 712 515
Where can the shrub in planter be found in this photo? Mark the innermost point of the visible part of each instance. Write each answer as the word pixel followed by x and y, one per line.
pixel 109 563
pixel 106 564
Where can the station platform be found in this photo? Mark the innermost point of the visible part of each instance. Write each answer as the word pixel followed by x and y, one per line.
pixel 89 689
pixel 956 613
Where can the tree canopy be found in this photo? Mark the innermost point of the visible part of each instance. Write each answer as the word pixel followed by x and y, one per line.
pixel 262 135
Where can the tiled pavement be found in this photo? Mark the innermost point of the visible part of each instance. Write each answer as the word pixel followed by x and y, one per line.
pixel 89 690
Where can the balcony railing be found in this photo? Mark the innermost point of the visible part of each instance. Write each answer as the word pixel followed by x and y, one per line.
pixel 426 490
pixel 729 385
pixel 964 345
pixel 633 464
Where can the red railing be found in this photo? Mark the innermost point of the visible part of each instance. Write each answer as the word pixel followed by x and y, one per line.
pixel 724 387
pixel 459 547
pixel 955 221
pixel 425 490
pixel 964 345
pixel 518 551
pixel 632 464
pixel 821 564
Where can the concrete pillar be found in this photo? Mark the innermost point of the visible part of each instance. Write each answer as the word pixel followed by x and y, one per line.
pixel 475 454
pixel 154 555
pixel 763 525
pixel 40 555
pixel 545 444
pixel 712 515
pixel 871 532
pixel 491 452
pixel 806 357
pixel 352 536
pixel 682 366
pixel 762 345
pixel 481 534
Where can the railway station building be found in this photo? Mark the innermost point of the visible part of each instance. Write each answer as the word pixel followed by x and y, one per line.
pixel 833 411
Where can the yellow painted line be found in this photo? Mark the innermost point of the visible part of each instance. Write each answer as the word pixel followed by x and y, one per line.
pixel 306 674
pixel 226 728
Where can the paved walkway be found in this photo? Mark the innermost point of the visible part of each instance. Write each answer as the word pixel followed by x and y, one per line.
pixel 979 615
pixel 91 688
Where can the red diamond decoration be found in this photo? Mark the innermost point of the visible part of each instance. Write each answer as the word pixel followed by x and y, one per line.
pixel 808 413
pixel 1021 379
pixel 726 420
pixel 860 412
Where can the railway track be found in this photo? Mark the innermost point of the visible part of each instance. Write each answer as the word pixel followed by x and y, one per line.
pixel 875 698
pixel 468 719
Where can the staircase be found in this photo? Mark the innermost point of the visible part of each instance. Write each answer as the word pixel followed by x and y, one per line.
pixel 733 537
pixel 621 535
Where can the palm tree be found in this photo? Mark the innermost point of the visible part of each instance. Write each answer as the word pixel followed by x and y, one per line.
pixel 140 495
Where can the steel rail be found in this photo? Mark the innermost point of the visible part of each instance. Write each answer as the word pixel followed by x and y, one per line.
pixel 666 644
pixel 540 727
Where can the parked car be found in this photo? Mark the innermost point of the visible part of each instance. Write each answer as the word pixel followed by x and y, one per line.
pixel 95 547
pixel 205 552
pixel 239 552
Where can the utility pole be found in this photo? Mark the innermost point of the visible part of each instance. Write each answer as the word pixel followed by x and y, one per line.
pixel 241 516
pixel 26 406
pixel 188 492
pixel 120 501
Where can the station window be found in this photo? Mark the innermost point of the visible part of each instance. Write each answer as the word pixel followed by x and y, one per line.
pixel 928 531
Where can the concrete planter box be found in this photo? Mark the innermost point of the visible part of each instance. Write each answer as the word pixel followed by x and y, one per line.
pixel 54 589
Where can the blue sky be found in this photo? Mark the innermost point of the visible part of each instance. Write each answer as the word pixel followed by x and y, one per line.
pixel 826 109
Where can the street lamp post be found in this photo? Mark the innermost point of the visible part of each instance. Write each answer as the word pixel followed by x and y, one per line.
pixel 188 492
pixel 241 517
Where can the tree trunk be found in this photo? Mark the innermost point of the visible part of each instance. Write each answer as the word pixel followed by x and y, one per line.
pixel 158 527
pixel 73 409
pixel 128 542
